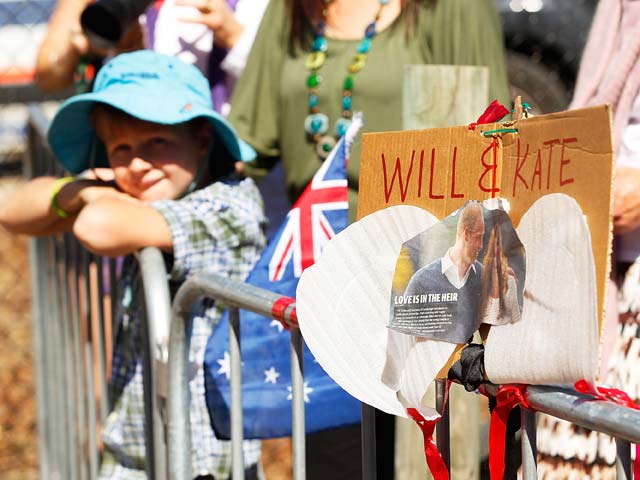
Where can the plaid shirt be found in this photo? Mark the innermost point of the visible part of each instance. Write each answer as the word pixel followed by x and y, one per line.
pixel 218 229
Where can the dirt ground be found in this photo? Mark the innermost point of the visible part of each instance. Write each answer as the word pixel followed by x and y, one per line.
pixel 18 439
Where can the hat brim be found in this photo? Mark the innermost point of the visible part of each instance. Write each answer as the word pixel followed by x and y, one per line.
pixel 72 136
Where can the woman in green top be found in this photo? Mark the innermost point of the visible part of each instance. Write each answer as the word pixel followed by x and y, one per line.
pixel 309 55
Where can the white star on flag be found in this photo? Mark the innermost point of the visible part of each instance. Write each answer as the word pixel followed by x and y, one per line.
pixel 271 376
pixel 277 324
pixel 225 365
pixel 307 390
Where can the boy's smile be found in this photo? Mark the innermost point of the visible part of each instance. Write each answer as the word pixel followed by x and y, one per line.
pixel 152 161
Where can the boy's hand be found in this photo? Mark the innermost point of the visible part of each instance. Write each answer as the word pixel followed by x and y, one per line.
pixel 94 193
pixel 77 194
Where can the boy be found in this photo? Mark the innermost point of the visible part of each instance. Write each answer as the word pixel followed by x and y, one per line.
pixel 171 159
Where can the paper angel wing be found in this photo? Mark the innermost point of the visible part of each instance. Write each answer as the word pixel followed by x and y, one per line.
pixel 343 310
pixel 556 340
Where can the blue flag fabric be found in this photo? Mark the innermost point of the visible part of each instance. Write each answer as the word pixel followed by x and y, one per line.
pixel 319 214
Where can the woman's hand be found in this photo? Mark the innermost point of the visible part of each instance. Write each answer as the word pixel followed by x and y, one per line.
pixel 216 15
pixel 626 200
pixel 495 286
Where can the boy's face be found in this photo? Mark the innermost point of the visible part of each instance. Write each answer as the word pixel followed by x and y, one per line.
pixel 151 161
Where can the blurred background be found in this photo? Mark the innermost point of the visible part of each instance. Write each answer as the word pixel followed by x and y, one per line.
pixel 544 40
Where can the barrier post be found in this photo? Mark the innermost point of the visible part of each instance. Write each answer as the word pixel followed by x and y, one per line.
pixel 235 357
pixel 528 444
pixel 297 391
pixel 368 434
pixel 157 317
pixel 443 427
pixel 623 460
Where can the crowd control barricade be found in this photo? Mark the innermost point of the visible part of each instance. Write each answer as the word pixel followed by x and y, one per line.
pixel 234 295
pixel 73 294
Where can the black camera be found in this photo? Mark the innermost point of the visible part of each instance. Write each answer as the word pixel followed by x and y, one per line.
pixel 105 21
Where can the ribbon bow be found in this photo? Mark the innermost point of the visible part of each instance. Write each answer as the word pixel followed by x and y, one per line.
pixel 494 112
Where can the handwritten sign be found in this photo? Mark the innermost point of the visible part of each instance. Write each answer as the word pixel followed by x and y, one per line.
pixel 441 169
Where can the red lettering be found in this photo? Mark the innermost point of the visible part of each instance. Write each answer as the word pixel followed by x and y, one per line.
pixel 420 177
pixel 490 167
pixel 397 172
pixel 564 162
pixel 537 171
pixel 519 166
pixel 453 176
pixel 432 195
pixel 551 143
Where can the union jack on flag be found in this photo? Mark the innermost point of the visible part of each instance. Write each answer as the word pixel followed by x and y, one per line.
pixel 308 226
pixel 318 215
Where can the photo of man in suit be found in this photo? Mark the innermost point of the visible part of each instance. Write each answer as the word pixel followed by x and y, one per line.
pixel 454 279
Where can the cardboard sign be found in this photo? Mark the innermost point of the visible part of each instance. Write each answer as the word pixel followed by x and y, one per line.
pixel 441 169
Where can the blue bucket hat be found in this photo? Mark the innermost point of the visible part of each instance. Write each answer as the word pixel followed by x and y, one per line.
pixel 146 85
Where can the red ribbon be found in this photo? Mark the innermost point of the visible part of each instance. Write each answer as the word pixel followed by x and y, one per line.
pixel 616 396
pixel 434 460
pixel 279 308
pixel 507 398
pixel 494 112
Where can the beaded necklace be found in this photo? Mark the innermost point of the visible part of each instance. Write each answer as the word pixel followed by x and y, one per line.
pixel 316 124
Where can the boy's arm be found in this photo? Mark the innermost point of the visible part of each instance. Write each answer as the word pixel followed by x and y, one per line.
pixel 113 226
pixel 28 210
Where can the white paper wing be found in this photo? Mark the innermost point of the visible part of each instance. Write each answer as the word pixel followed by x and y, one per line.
pixel 343 309
pixel 556 340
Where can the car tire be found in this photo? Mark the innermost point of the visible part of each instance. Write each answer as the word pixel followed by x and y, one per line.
pixel 536 83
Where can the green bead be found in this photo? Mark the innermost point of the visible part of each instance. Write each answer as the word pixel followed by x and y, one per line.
pixel 348 83
pixel 326 147
pixel 312 80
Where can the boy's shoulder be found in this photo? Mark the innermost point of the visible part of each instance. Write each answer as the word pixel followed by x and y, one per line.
pixel 229 191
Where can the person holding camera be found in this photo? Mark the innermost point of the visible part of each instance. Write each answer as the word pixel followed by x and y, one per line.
pixel 77 42
pixel 66 57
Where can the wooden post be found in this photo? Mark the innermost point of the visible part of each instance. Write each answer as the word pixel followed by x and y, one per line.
pixel 443 95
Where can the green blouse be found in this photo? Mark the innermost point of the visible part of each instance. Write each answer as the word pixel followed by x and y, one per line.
pixel 270 102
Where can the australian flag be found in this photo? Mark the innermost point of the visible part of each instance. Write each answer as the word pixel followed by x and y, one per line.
pixel 319 214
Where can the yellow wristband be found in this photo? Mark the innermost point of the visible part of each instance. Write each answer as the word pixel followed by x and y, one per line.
pixel 57 186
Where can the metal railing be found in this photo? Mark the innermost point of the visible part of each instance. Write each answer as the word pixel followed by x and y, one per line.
pixel 622 423
pixel 73 295
pixel 73 310
pixel 234 295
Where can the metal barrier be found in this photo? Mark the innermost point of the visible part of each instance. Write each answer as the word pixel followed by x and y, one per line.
pixel 622 423
pixel 73 308
pixel 234 295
